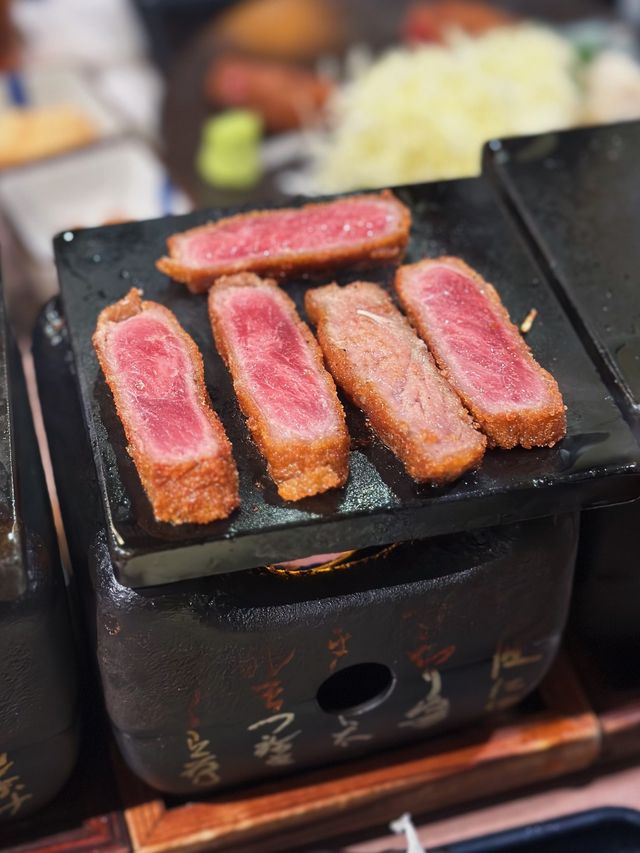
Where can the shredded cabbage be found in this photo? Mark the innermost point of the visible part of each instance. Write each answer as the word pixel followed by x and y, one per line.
pixel 421 114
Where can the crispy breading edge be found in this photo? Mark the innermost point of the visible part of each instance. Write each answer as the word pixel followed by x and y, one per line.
pixel 299 468
pixel 183 492
pixel 419 464
pixel 543 427
pixel 389 248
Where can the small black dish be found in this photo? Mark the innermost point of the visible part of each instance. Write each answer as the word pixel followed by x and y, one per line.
pixel 606 830
pixel 577 195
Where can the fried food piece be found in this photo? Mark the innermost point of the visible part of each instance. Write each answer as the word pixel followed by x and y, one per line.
pixel 285 392
pixel 285 96
pixel 279 242
pixel 282 29
pixel 376 357
pixel 179 446
pixel 31 133
pixel 483 356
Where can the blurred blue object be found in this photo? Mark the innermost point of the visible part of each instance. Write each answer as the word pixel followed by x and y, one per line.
pixel 16 90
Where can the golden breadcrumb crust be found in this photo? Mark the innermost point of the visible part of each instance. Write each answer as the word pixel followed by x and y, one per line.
pixel 299 468
pixel 424 460
pixel 191 491
pixel 389 247
pixel 541 426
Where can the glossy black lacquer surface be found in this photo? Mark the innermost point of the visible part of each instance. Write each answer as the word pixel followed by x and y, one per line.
pixel 38 694
pixel 578 195
pixel 596 464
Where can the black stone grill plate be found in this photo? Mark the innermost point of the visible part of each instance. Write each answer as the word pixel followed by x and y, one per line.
pixel 596 464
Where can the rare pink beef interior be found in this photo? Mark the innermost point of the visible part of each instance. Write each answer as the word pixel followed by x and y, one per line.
pixel 153 368
pixel 386 354
pixel 289 232
pixel 273 359
pixel 484 354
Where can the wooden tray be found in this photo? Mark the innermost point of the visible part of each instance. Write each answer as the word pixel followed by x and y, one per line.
pixel 617 707
pixel 550 735
pixel 557 736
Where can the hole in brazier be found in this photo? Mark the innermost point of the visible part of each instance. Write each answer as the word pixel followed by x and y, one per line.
pixel 356 689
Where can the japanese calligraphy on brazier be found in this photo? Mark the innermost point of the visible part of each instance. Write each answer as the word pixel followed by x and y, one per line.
pixel 507 684
pixel 13 791
pixel 202 766
pixel 274 747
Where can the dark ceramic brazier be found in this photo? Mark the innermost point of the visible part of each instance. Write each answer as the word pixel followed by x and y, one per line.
pixel 577 198
pixel 251 675
pixel 227 679
pixel 38 714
